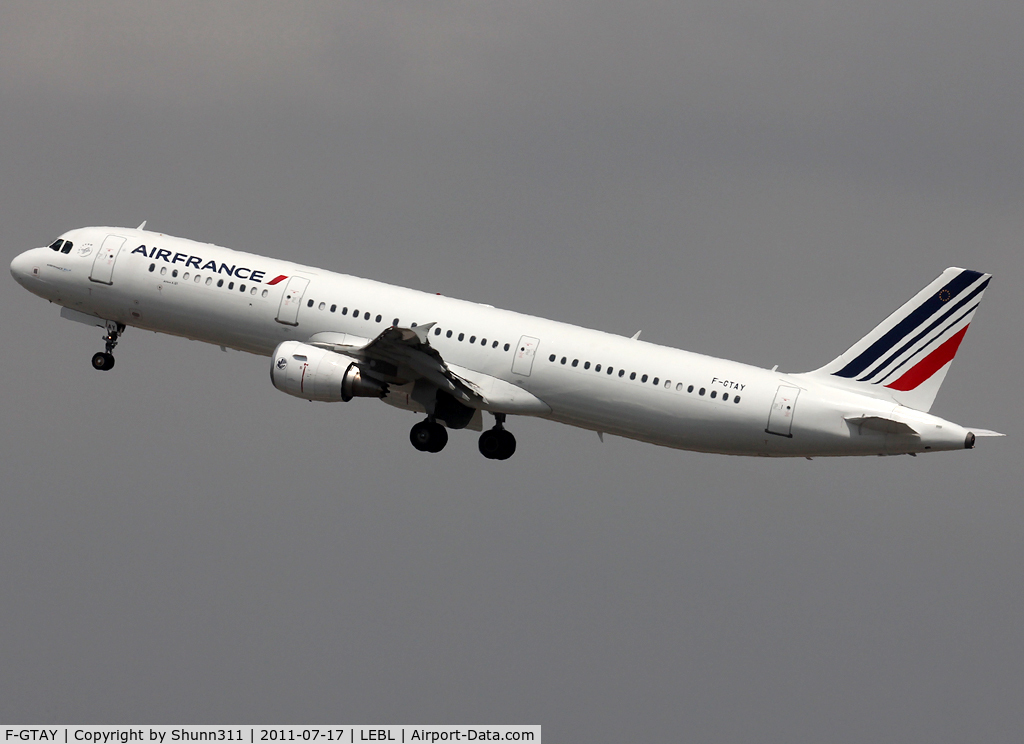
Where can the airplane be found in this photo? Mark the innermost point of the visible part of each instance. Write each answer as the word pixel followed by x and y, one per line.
pixel 334 337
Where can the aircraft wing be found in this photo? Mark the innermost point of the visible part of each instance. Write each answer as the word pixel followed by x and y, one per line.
pixel 401 355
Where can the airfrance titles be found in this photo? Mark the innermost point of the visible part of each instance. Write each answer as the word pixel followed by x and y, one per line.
pixel 196 262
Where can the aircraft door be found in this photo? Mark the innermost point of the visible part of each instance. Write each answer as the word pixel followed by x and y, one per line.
pixel 291 300
pixel 103 264
pixel 522 363
pixel 780 420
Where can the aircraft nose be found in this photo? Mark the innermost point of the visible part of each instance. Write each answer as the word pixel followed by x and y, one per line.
pixel 23 266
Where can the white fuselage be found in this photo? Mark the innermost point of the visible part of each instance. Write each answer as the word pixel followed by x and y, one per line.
pixel 587 378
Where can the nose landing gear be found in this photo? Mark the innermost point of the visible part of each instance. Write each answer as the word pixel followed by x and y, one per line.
pixel 104 360
pixel 428 436
pixel 497 443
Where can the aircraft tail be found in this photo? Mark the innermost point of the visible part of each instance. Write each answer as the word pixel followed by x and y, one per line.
pixel 907 355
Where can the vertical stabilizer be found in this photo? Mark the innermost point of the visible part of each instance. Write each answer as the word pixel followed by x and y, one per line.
pixel 907 355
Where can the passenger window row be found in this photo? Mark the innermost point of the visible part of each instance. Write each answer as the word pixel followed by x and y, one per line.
pixel 198 279
pixel 395 322
pixel 472 339
pixel 657 381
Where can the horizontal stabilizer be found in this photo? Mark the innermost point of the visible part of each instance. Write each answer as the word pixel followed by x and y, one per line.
pixel 985 432
pixel 885 425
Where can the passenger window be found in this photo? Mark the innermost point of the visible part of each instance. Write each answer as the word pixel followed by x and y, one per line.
pixel 333 308
pixel 586 365
pixel 725 396
pixel 265 291
pixel 308 304
pixel 184 276
pixel 163 270
pixel 321 306
pixel 643 378
pixel 55 245
pixel 483 342
pixel 462 336
pixel 209 281
pixel 395 322
pixel 597 367
pixel 241 288
pixel 377 319
pixel 654 381
pixel 679 387
pixel 355 315
pixel 551 358
pixel 494 345
pixel 668 384
pixel 736 399
pixel 564 360
pixel 366 316
pixel 472 339
pixel 198 278
pixel 610 370
pixel 344 311
pixel 151 268
pixel 700 392
pixel 714 393
pixel 437 331
pixel 67 247
pixel 448 334
pixel 251 291
pixel 575 362
pixel 174 273
pixel 689 389
pixel 506 347
pixel 622 372
pixel 231 285
pixel 632 375
pixel 220 282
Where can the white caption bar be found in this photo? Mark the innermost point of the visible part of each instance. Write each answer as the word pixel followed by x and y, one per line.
pixel 262 734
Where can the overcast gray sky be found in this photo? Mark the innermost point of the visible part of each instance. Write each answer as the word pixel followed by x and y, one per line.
pixel 181 543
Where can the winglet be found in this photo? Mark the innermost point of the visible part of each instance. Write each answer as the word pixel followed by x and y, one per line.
pixel 142 226
pixel 423 331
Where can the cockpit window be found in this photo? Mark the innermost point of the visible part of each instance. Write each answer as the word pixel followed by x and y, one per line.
pixel 55 245
pixel 67 247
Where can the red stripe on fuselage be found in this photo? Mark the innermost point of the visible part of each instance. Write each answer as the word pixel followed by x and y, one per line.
pixel 276 279
pixel 931 363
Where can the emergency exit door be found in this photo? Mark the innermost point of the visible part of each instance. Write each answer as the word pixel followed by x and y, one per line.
pixel 103 264
pixel 522 362
pixel 291 300
pixel 780 420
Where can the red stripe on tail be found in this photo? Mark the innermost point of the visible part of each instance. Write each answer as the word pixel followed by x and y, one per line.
pixel 931 363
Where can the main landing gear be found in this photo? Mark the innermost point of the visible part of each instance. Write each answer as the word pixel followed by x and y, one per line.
pixel 104 360
pixel 497 443
pixel 428 436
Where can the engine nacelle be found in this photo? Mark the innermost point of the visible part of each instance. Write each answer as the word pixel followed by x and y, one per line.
pixel 317 374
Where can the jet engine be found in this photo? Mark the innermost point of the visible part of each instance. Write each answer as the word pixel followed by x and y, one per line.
pixel 317 374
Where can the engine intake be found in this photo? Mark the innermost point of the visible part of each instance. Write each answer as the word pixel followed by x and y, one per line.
pixel 317 374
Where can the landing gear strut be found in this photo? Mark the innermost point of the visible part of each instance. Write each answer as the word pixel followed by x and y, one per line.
pixel 428 436
pixel 104 360
pixel 497 443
